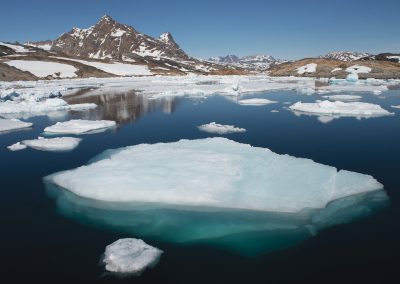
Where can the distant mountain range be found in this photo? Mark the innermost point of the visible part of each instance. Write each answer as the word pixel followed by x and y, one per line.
pixel 345 55
pixel 259 62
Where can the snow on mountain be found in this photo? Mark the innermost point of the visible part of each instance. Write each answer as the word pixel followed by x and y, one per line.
pixel 257 62
pixel 345 55
pixel 45 45
pixel 110 39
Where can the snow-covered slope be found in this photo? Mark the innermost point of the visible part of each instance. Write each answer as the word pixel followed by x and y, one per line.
pixel 345 55
pixel 257 62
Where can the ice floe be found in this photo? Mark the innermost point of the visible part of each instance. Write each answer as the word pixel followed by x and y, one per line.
pixel 343 97
pixel 58 144
pixel 44 69
pixel 13 124
pixel 17 147
pixel 357 109
pixel 130 256
pixel 398 106
pixel 213 191
pixel 255 102
pixel 214 127
pixel 80 126
pixel 213 172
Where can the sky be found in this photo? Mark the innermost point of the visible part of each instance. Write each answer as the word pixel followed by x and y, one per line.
pixel 287 29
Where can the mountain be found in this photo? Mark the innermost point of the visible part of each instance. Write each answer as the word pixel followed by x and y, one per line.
pixel 345 55
pixel 257 62
pixel 108 39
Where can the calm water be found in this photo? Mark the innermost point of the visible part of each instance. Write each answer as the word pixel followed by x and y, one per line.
pixel 40 243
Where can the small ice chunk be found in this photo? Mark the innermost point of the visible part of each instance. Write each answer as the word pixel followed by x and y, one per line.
pixel 343 97
pixel 58 144
pixel 213 127
pixel 80 126
pixel 398 106
pixel 306 91
pixel 255 102
pixel 274 110
pixel 13 124
pixel 17 147
pixel 130 256
pixel 340 108
pixel 308 68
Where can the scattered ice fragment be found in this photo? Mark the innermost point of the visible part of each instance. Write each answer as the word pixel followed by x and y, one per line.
pixel 130 256
pixel 211 173
pixel 213 127
pixel 255 102
pixel 80 126
pixel 17 147
pixel 274 110
pixel 309 68
pixel 357 109
pixel 355 69
pixel 343 97
pixel 398 106
pixel 306 91
pixel 58 144
pixel 13 124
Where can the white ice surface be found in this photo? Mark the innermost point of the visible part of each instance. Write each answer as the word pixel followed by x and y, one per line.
pixel 80 126
pixel 358 69
pixel 343 97
pixel 131 256
pixel 43 69
pixel 213 127
pixel 13 124
pixel 398 106
pixel 116 68
pixel 308 68
pixel 16 147
pixel 213 172
pixel 57 144
pixel 339 108
pixel 255 102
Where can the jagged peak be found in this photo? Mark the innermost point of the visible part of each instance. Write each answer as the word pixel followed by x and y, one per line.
pixel 166 37
pixel 106 19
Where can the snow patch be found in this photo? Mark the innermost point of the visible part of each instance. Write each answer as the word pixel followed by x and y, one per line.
pixel 358 69
pixel 43 69
pixel 308 68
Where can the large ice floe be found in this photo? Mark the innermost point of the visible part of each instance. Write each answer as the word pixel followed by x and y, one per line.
pixel 80 126
pixel 13 124
pixel 130 256
pixel 339 108
pixel 58 144
pixel 213 191
pixel 217 128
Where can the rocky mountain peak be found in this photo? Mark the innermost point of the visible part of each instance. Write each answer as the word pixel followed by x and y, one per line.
pixel 112 40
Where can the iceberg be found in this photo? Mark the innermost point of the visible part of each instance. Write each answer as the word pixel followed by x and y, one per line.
pixel 80 126
pixel 213 191
pixel 13 124
pixel 214 127
pixel 58 144
pixel 352 78
pixel 339 108
pixel 130 256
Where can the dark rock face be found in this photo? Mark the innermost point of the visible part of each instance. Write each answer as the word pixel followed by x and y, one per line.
pixel 109 39
pixel 4 50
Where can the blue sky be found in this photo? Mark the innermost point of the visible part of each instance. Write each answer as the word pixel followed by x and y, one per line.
pixel 285 29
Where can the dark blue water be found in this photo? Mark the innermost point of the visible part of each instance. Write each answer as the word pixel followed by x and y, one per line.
pixel 39 243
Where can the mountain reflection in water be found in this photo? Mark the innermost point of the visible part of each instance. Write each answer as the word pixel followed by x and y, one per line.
pixel 120 106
